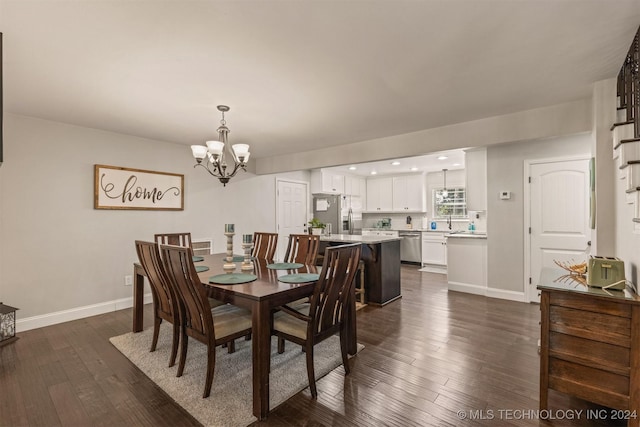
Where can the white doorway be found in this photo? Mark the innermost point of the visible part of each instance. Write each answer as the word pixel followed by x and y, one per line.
pixel 292 209
pixel 557 225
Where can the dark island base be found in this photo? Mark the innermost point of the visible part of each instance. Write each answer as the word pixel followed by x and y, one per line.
pixel 381 271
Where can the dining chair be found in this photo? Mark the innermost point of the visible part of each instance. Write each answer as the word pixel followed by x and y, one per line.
pixel 325 315
pixel 302 248
pixel 264 245
pixel 177 239
pixel 213 327
pixel 181 239
pixel 165 300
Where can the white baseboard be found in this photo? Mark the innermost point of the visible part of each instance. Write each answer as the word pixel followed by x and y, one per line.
pixel 467 288
pixel 503 294
pixel 76 313
pixel 428 268
pixel 487 292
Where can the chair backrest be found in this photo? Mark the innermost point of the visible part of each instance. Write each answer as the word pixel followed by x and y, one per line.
pixel 302 248
pixel 196 311
pixel 264 245
pixel 176 239
pixel 334 286
pixel 162 291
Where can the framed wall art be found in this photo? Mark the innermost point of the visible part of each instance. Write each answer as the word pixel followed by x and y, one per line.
pixel 123 188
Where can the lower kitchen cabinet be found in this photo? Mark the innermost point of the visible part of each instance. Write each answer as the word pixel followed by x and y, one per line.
pixel 434 252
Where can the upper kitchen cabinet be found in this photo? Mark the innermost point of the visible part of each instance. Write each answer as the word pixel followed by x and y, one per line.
pixel 409 193
pixel 476 186
pixel 355 186
pixel 380 194
pixel 323 181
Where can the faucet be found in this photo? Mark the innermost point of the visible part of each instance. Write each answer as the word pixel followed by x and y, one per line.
pixel 449 221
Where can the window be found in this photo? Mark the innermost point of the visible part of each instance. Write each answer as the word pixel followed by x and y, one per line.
pixel 452 203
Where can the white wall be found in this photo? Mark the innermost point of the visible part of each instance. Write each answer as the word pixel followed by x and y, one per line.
pixel 62 259
pixel 505 222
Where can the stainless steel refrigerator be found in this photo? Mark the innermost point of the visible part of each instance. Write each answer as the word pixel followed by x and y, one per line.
pixel 344 213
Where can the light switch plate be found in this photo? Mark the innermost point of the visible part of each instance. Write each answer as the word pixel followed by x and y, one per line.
pixel 505 195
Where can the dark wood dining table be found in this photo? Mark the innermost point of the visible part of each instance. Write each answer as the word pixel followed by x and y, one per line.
pixel 260 296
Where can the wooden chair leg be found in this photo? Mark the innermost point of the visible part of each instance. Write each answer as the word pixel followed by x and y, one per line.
pixel 211 364
pixel 280 345
pixel 183 353
pixel 311 372
pixel 174 344
pixel 343 350
pixel 247 337
pixel 231 346
pixel 156 332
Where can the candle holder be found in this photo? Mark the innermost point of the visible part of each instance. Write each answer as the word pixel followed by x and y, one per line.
pixel 229 266
pixel 247 244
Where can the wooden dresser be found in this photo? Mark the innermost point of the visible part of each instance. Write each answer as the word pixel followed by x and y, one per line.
pixel 589 345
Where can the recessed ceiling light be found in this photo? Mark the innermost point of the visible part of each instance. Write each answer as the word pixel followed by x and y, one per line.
pixel 442 157
pixel 352 168
pixel 374 173
pixel 456 164
pixel 413 169
pixel 395 163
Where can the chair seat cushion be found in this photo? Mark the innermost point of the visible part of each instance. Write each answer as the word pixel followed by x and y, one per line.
pixel 229 319
pixel 290 325
pixel 213 303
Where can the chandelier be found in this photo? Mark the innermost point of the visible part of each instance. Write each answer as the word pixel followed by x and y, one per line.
pixel 217 152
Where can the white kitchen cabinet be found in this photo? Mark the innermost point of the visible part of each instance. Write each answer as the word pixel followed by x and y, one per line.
pixel 380 194
pixel 476 176
pixel 323 181
pixel 434 248
pixel 355 186
pixel 409 193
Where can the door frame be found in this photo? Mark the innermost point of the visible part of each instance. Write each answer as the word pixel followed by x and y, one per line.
pixel 293 181
pixel 528 163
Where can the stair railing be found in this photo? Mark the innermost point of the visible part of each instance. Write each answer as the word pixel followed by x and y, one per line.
pixel 628 85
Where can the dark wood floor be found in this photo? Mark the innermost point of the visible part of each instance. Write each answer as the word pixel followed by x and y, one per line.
pixel 428 358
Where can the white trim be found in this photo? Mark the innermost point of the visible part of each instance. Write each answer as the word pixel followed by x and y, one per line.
pixel 432 268
pixel 467 288
pixel 504 294
pixel 76 313
pixel 527 212
pixel 487 292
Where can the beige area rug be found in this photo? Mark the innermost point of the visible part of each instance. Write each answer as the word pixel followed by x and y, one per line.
pixel 230 402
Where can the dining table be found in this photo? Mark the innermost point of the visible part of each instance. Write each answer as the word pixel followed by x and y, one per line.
pixel 260 296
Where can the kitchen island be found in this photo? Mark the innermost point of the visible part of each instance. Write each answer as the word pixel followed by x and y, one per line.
pixel 381 258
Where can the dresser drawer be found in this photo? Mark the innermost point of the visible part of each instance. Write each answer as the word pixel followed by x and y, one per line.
pixel 591 325
pixel 608 357
pixel 589 383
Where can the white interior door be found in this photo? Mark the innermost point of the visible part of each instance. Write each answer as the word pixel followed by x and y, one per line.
pixel 291 203
pixel 559 216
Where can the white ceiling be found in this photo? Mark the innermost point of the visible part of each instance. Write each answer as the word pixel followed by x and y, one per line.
pixel 450 160
pixel 301 75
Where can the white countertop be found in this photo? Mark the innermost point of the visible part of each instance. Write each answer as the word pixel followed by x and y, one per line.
pixel 355 238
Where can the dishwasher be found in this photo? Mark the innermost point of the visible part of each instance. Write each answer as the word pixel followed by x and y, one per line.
pixel 410 246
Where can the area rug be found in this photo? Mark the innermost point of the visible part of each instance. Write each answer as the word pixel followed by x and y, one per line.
pixel 230 402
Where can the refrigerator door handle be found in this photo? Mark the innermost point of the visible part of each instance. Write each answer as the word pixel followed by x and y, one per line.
pixel 350 220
